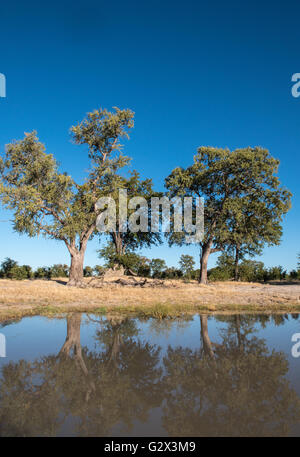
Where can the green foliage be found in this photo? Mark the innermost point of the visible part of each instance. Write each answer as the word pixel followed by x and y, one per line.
pixel 59 271
pixel 98 270
pixel 11 270
pixel 101 131
pixel 218 274
pixel 243 198
pixel 173 273
pixel 224 270
pixel 45 201
pixel 251 271
pixel 6 266
pixel 131 261
pixel 88 272
pixel 124 239
pixel 294 274
pixel 43 273
pixel 157 266
pixel 186 264
pixel 275 273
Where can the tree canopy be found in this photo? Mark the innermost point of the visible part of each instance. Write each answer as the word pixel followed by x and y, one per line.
pixel 239 186
pixel 47 201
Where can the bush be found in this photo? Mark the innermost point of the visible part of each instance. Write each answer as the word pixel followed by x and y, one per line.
pixel 275 273
pixel 43 273
pixel 219 274
pixel 59 271
pixel 87 272
pixel 294 274
pixel 251 271
pixel 11 270
pixel 171 273
pixel 6 266
pixel 98 270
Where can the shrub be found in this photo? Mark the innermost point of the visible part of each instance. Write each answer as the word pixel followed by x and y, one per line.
pixel 87 272
pixel 11 270
pixel 59 271
pixel 43 273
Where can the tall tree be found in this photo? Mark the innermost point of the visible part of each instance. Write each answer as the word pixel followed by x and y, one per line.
pixel 227 180
pixel 51 203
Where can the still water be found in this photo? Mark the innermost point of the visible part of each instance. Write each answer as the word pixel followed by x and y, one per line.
pixel 86 375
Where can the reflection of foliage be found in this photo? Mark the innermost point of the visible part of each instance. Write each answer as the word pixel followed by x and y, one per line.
pixel 116 328
pixel 162 327
pixel 235 387
pixel 37 397
pixel 240 390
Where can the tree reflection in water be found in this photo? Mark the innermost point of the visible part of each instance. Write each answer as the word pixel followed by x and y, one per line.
pixel 235 387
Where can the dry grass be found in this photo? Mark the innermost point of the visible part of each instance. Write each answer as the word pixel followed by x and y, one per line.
pixel 27 297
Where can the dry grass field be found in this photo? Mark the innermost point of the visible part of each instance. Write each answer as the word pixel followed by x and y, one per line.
pixel 28 297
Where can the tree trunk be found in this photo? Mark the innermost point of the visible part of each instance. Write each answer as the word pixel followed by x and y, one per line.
pixel 76 269
pixel 73 335
pixel 207 346
pixel 236 263
pixel 203 263
pixel 72 348
pixel 238 331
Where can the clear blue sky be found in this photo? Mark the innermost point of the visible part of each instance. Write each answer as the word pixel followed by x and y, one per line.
pixel 195 73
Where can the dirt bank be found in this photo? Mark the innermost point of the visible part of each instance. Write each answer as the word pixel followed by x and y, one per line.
pixel 28 297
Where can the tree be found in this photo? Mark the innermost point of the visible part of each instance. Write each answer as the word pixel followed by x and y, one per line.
pixel 251 271
pixel 123 240
pixel 51 203
pixel 6 266
pixel 186 264
pixel 59 271
pixel 42 273
pixel 227 180
pixel 98 270
pixel 274 273
pixel 132 263
pixel 172 273
pixel 251 224
pixel 224 269
pixel 157 266
pixel 11 270
pixel 88 272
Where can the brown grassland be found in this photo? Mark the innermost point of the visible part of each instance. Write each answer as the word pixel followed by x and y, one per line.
pixel 168 299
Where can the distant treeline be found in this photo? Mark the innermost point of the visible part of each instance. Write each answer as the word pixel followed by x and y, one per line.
pixel 249 270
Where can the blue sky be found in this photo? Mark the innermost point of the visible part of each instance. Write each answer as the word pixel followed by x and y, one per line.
pixel 195 73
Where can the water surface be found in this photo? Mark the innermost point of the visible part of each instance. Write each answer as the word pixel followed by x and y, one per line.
pixel 86 375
